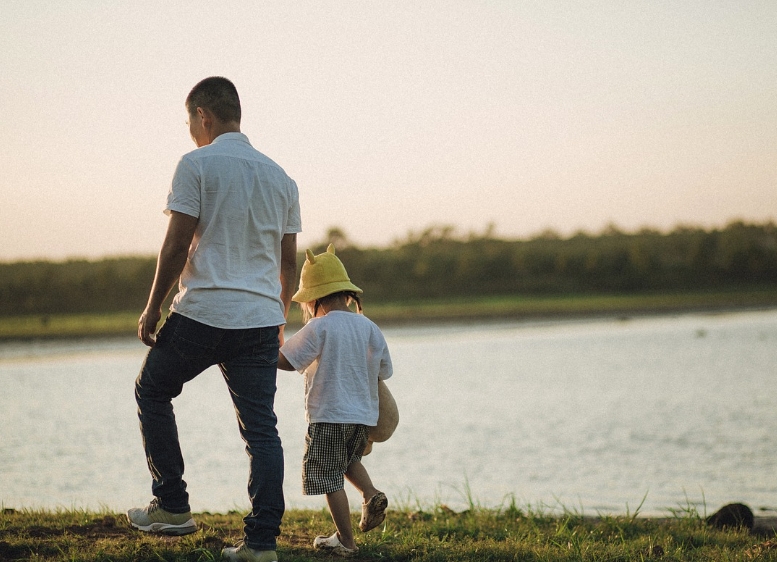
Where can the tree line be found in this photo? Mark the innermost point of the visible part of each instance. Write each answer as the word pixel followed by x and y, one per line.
pixel 439 263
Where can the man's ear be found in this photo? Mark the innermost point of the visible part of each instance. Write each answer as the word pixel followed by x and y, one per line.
pixel 206 116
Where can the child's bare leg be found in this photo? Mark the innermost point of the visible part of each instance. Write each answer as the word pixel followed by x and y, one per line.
pixel 357 475
pixel 341 515
pixel 374 503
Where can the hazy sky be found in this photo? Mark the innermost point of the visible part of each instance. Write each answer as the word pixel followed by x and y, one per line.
pixel 392 116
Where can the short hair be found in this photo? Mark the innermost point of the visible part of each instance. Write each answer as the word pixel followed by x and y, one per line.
pixel 310 309
pixel 218 95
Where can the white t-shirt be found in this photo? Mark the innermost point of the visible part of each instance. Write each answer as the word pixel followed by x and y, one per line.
pixel 342 355
pixel 245 203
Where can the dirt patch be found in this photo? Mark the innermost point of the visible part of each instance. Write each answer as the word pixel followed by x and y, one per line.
pixel 105 527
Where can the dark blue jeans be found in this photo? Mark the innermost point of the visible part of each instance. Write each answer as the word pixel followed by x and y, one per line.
pixel 248 360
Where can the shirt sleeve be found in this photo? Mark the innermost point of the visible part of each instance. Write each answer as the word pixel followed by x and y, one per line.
pixel 184 194
pixel 386 368
pixel 382 355
pixel 302 348
pixel 294 219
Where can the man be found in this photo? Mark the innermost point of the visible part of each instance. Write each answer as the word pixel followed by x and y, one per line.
pixel 231 243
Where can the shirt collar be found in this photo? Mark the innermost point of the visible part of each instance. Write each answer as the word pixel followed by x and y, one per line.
pixel 231 136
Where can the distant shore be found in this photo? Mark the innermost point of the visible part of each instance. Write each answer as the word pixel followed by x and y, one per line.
pixel 517 308
pixel 426 312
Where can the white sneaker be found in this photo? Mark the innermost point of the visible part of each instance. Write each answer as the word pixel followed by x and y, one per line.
pixel 333 545
pixel 154 519
pixel 244 553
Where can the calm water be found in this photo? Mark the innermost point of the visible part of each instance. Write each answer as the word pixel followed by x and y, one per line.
pixel 591 415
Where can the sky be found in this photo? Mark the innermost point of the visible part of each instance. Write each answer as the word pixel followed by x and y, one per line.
pixel 392 116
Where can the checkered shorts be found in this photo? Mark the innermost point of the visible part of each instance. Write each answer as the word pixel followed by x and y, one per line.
pixel 330 448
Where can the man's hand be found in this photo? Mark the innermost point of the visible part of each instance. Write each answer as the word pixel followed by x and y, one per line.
pixel 147 326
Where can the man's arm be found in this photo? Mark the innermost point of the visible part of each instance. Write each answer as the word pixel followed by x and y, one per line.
pixel 288 272
pixel 171 261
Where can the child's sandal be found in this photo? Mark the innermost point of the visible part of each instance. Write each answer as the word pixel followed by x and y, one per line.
pixel 332 544
pixel 373 512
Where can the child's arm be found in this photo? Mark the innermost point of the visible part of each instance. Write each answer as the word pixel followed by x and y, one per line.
pixel 284 364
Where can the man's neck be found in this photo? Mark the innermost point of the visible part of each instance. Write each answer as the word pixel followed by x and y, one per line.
pixel 220 128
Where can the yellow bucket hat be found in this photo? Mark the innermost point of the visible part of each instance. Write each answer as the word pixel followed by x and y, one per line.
pixel 323 275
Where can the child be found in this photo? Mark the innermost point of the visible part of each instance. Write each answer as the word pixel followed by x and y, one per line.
pixel 342 355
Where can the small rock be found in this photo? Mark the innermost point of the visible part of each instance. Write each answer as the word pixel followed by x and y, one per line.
pixel 732 515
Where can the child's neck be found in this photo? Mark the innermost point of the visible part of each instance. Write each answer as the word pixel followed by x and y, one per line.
pixel 339 305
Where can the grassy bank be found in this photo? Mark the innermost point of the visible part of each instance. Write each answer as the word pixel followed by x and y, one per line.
pixel 437 534
pixel 427 311
pixel 68 325
pixel 532 307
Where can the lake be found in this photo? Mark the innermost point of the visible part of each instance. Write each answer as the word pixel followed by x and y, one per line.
pixel 593 416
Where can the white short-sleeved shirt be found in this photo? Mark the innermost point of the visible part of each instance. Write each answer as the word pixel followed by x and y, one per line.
pixel 245 203
pixel 342 355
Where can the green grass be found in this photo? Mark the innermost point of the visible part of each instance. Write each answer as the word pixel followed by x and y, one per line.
pixel 69 325
pixel 436 534
pixel 426 311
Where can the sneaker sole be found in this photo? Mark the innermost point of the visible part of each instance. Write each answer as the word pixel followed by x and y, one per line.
pixel 235 553
pixel 168 529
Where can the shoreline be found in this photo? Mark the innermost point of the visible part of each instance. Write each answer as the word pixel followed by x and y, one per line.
pixel 424 314
pixel 541 317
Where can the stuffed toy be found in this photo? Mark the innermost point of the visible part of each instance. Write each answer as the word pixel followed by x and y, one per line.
pixel 388 418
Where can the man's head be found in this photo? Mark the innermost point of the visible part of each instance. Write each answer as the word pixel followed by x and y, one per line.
pixel 214 108
pixel 219 96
